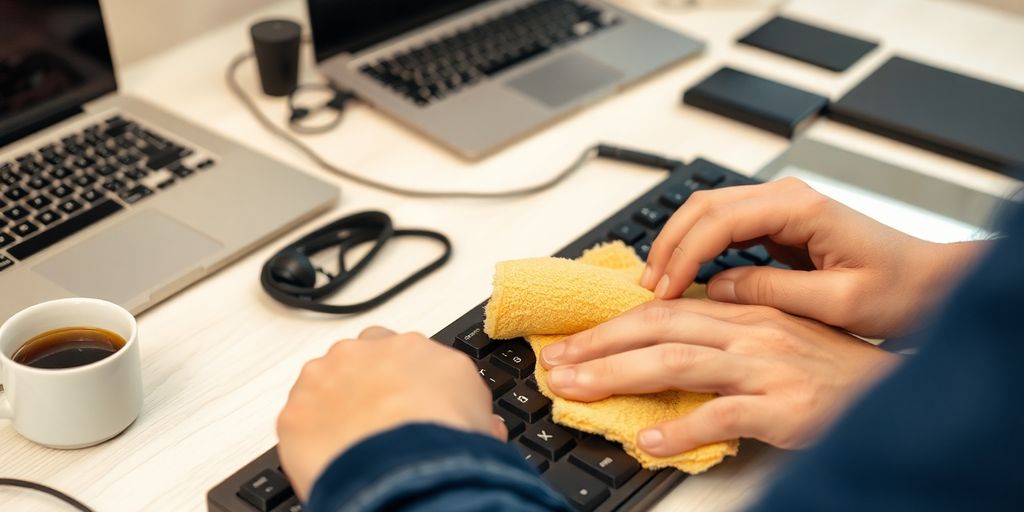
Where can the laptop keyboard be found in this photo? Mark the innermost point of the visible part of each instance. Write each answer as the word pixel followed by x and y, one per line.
pixel 592 473
pixel 433 71
pixel 70 184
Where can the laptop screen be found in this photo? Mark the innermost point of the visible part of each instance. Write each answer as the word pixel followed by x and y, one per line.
pixel 341 26
pixel 53 58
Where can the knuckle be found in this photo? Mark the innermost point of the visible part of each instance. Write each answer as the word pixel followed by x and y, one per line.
pixel 677 357
pixel 656 314
pixel 727 415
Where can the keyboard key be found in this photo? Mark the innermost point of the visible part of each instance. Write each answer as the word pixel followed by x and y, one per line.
pixel 38 202
pixel 266 490
pixel 628 232
pixel 643 248
pixel 164 157
pixel 605 461
pixel 516 356
pixel 61 191
pixel 70 206
pixel 38 182
pixel 526 403
pixel 758 254
pixel 65 229
pixel 5 262
pixel 583 491
pixel 15 193
pixel 113 185
pixel 25 229
pixel 135 194
pixel 292 505
pixel 48 217
pixel 709 176
pixel 514 425
pixel 651 216
pixel 732 258
pixel 180 170
pixel 9 178
pixel 204 164
pixel 550 440
pixel 84 180
pixel 474 342
pixel 534 459
pixel 5 239
pixel 92 195
pixel 497 380
pixel 675 197
pixel 707 271
pixel 16 213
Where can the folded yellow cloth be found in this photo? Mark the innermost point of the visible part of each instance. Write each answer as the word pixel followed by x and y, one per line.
pixel 547 299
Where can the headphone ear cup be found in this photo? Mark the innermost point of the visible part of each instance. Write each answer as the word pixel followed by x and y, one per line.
pixel 294 268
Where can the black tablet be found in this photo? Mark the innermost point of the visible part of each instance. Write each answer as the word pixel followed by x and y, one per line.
pixel 814 45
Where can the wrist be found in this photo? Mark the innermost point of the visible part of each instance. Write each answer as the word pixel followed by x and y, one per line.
pixel 938 268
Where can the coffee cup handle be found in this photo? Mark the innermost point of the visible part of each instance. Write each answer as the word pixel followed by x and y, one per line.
pixel 5 407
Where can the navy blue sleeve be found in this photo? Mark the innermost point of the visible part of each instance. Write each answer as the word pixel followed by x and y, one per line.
pixel 423 467
pixel 945 431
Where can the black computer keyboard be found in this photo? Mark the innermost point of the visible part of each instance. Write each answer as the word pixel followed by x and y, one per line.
pixel 592 473
pixel 66 186
pixel 437 69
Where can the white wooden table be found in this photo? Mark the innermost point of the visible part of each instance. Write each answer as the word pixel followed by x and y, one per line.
pixel 220 357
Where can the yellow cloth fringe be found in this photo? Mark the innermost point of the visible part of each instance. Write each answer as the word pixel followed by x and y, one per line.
pixel 547 299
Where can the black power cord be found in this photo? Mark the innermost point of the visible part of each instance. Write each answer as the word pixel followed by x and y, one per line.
pixel 14 482
pixel 283 134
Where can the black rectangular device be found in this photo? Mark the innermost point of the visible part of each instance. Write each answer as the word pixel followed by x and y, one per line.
pixel 969 119
pixel 577 469
pixel 808 43
pixel 757 101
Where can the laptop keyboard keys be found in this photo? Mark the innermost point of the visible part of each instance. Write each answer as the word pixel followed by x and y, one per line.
pixel 526 403
pixel 549 439
pixel 516 356
pixel 605 461
pixel 583 491
pixel 474 342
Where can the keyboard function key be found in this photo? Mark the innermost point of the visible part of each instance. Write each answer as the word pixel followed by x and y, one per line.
pixel 605 461
pixel 266 490
pixel 526 403
pixel 583 491
pixel 474 342
pixel 552 441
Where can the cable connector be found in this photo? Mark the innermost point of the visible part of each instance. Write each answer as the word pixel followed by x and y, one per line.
pixel 637 157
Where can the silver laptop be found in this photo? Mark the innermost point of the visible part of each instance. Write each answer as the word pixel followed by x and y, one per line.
pixel 102 195
pixel 476 75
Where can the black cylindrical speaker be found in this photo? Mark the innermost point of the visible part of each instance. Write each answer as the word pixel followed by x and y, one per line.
pixel 276 43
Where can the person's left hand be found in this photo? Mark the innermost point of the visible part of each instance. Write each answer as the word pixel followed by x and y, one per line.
pixel 375 383
pixel 782 379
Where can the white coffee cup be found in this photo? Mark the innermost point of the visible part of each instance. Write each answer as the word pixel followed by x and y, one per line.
pixel 78 406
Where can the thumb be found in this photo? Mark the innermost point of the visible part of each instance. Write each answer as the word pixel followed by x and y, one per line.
pixel 817 294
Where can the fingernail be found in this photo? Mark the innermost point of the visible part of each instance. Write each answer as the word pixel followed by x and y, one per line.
pixel 551 353
pixel 650 439
pixel 723 290
pixel 662 287
pixel 562 376
pixel 645 279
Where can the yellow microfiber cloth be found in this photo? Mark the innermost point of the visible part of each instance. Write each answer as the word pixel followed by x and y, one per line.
pixel 547 299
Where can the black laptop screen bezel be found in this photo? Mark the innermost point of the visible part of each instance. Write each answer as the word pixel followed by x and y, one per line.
pixel 88 53
pixel 349 26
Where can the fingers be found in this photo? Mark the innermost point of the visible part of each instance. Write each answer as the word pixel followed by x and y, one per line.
pixel 715 231
pixel 375 332
pixel 653 369
pixel 647 325
pixel 793 291
pixel 723 418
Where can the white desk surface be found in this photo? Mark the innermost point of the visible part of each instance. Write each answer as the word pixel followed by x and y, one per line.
pixel 219 358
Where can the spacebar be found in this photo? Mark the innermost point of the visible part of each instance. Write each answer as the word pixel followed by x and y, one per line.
pixel 62 231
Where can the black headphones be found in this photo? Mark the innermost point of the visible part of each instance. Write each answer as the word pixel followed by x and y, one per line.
pixel 290 276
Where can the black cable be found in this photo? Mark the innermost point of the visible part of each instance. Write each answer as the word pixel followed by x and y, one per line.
pixel 247 101
pixel 300 112
pixel 14 482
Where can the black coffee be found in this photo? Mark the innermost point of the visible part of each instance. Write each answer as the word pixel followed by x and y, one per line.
pixel 68 347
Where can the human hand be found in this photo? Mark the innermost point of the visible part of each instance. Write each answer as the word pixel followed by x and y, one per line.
pixel 863 276
pixel 375 383
pixel 782 379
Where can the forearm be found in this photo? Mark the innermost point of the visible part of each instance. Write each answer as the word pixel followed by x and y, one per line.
pixel 442 468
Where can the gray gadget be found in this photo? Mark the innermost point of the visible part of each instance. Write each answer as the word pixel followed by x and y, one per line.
pixel 103 195
pixel 476 75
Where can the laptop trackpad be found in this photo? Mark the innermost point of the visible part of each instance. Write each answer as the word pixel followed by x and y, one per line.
pixel 131 258
pixel 565 79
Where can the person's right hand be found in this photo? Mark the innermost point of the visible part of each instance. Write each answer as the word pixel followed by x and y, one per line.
pixel 849 271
